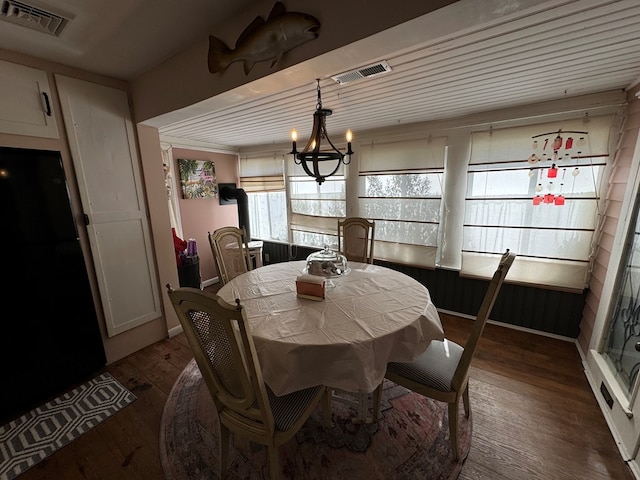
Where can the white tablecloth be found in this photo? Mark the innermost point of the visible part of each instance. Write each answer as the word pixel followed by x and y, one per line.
pixel 369 317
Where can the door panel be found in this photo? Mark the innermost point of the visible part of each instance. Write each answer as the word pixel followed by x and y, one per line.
pixel 102 141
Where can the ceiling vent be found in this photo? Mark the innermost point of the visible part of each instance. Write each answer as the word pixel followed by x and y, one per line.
pixel 32 17
pixel 365 72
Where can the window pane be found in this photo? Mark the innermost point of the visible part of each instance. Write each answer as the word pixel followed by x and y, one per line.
pixel 407 232
pixel 406 208
pixel 419 209
pixel 313 207
pixel 569 181
pixel 403 185
pixel 319 208
pixel 623 333
pixel 311 239
pixel 574 214
pixel 513 205
pixel 563 244
pixel 268 215
pixel 307 187
pixel 508 183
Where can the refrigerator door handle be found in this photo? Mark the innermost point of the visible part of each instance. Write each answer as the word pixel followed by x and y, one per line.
pixel 86 218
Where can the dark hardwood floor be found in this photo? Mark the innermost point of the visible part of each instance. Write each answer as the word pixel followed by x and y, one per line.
pixel 534 414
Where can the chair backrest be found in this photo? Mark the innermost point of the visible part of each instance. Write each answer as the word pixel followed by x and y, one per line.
pixel 489 300
pixel 356 239
pixel 230 249
pixel 223 348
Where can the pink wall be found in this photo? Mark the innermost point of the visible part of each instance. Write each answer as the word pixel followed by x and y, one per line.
pixel 203 215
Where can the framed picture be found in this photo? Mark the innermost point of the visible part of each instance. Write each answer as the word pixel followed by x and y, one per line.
pixel 198 178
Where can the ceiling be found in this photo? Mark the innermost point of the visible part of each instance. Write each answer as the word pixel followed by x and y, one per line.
pixel 530 52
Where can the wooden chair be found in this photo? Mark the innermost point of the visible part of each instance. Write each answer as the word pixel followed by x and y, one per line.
pixel 230 249
pixel 222 345
pixel 355 239
pixel 442 371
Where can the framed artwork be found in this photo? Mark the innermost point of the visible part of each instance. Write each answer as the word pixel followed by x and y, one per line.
pixel 198 178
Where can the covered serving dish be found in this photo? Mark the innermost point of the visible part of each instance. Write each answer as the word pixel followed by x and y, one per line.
pixel 327 263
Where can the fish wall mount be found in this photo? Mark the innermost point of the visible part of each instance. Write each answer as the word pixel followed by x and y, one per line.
pixel 264 40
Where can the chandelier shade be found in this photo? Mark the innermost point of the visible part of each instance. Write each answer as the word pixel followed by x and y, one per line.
pixel 318 160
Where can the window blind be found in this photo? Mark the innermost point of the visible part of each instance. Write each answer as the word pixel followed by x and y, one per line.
pixel 539 201
pixel 315 208
pixel 400 185
pixel 262 174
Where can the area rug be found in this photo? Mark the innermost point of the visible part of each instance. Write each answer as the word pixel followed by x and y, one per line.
pixel 34 436
pixel 410 440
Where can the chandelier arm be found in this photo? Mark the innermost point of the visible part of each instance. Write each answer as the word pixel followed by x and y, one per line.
pixel 316 133
pixel 326 137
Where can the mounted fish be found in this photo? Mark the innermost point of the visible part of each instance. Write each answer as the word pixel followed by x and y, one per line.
pixel 264 40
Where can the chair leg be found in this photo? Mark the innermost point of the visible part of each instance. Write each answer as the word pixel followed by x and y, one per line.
pixel 377 397
pixel 326 407
pixel 224 450
pixel 465 400
pixel 274 462
pixel 453 428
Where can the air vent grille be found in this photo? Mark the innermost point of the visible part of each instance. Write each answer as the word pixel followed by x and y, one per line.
pixel 366 72
pixel 32 17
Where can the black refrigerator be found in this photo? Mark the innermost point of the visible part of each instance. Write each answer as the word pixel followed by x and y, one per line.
pixel 49 336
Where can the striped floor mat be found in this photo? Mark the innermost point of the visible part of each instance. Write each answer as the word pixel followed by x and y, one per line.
pixel 33 437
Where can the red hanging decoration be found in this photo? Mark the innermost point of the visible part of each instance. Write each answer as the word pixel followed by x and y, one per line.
pixel 569 143
pixel 552 172
pixel 559 200
pixel 537 200
pixel 557 143
pixel 548 198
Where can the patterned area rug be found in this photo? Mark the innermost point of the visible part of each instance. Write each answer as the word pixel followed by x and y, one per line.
pixel 33 437
pixel 410 441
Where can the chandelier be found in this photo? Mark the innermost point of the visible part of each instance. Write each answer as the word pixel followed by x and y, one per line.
pixel 313 156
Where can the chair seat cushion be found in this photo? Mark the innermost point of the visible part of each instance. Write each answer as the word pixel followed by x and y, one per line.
pixel 287 409
pixel 434 367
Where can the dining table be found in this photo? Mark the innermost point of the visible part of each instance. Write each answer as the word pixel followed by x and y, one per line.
pixel 370 315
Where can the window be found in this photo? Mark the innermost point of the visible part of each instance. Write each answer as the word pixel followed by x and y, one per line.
pixel 400 187
pixel 315 210
pixel 543 207
pixel 268 216
pixel 262 178
pixel 459 200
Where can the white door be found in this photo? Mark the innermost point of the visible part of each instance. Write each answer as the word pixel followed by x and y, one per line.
pixel 103 147
pixel 614 364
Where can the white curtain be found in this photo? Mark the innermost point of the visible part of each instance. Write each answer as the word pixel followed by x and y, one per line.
pixel 535 190
pixel 170 184
pixel 400 187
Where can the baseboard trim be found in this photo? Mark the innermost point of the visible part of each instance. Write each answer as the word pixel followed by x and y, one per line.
pixel 509 325
pixel 211 281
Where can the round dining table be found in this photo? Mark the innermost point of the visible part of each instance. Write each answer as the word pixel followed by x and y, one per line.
pixel 370 316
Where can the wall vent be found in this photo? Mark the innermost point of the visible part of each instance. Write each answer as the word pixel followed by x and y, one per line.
pixel 32 17
pixel 365 72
